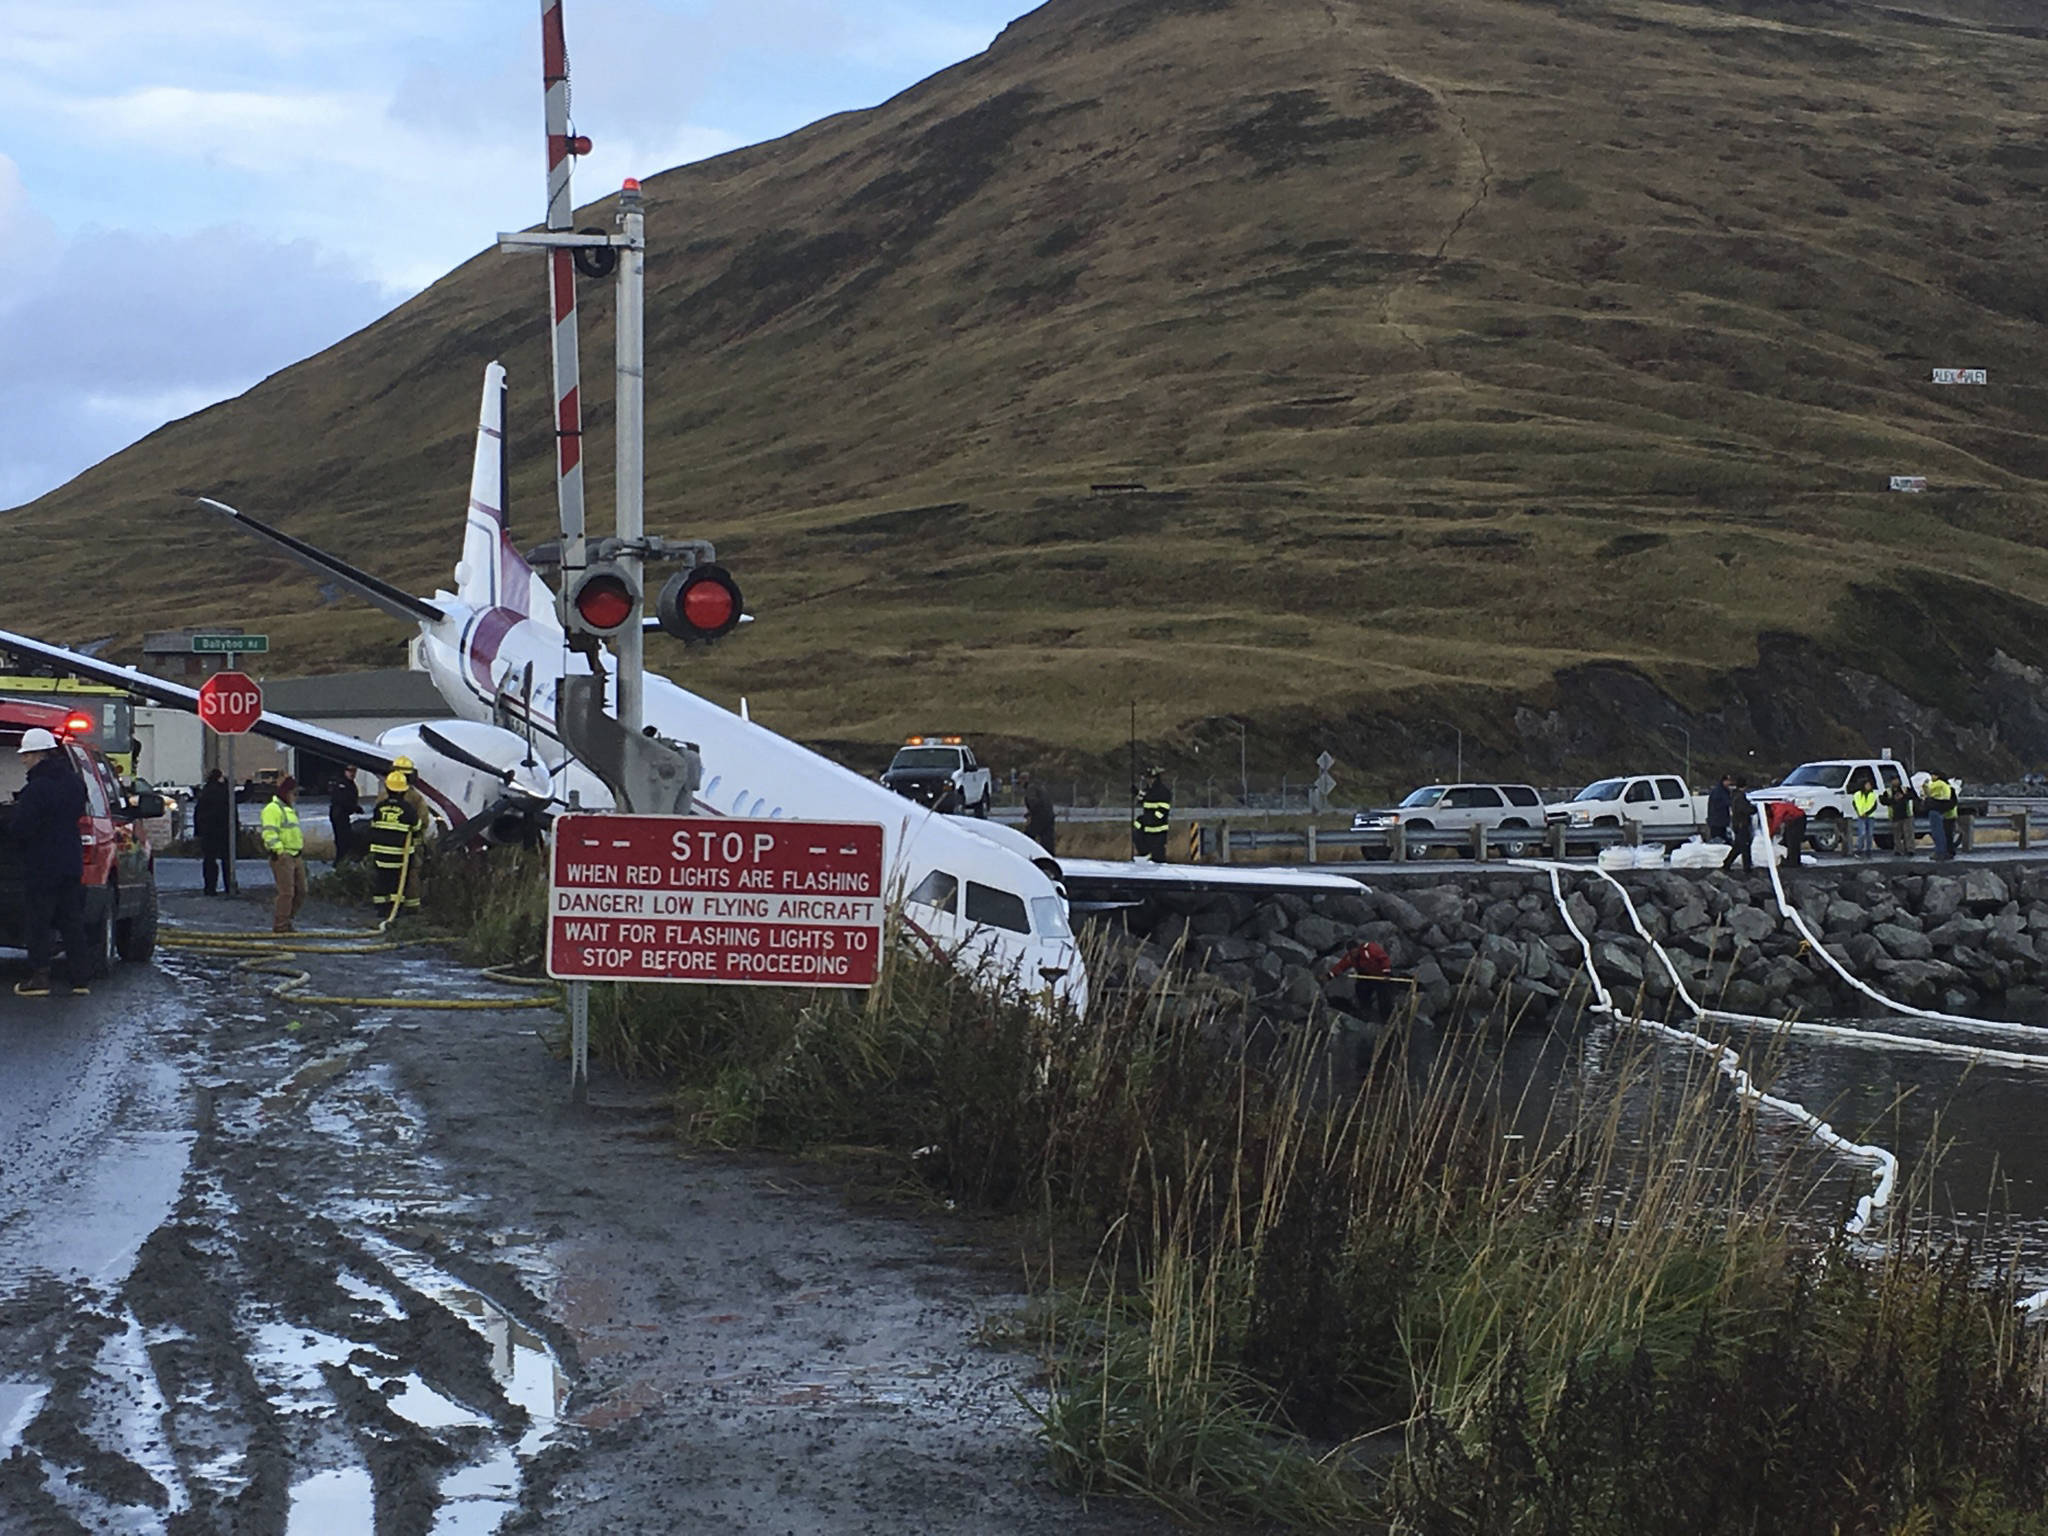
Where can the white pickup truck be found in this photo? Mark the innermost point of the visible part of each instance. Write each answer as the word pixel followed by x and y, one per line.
pixel 1822 791
pixel 1659 802
pixel 925 767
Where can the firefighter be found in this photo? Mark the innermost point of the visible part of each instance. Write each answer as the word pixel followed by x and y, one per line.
pixel 394 835
pixel 286 845
pixel 413 797
pixel 1154 814
pixel 47 809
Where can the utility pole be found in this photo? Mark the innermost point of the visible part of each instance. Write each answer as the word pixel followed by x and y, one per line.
pixel 630 644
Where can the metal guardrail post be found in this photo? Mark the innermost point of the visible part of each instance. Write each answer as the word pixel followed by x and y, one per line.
pixel 2022 826
pixel 1223 843
pixel 1966 830
pixel 1554 836
pixel 1478 843
pixel 1397 841
pixel 1632 832
pixel 1311 842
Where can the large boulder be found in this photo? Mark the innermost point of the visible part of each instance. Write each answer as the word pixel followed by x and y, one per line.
pixel 1582 912
pixel 1503 952
pixel 1956 930
pixel 1401 911
pixel 1225 949
pixel 1432 987
pixel 1499 916
pixel 1291 951
pixel 1345 908
pixel 1689 917
pixel 1903 943
pixel 1864 951
pixel 1536 963
pixel 1845 917
pixel 1617 966
pixel 1444 907
pixel 1321 935
pixel 1940 897
pixel 1983 891
pixel 1753 924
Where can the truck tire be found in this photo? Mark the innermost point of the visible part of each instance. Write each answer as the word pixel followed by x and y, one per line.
pixel 1422 851
pixel 981 805
pixel 1515 850
pixel 135 937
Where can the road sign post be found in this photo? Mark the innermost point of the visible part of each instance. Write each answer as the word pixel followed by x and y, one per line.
pixel 230 704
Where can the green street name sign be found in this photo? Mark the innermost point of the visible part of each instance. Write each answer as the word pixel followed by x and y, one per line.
pixel 217 645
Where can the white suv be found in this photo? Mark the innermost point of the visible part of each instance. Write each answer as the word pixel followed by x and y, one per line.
pixel 1459 808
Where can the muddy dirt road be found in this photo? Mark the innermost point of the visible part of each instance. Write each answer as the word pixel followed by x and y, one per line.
pixel 267 1268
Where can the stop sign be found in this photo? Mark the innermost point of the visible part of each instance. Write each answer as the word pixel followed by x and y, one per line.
pixel 230 702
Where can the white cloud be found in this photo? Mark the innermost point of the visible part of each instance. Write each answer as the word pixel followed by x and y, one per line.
pixel 115 332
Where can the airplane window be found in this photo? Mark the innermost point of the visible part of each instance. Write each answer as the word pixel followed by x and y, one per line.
pixel 999 909
pixel 936 889
pixel 1049 917
pixel 710 789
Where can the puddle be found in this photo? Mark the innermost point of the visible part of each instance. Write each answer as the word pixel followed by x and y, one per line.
pixel 20 1402
pixel 328 1503
pixel 92 1223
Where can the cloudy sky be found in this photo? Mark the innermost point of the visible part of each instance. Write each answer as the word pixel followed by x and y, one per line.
pixel 196 193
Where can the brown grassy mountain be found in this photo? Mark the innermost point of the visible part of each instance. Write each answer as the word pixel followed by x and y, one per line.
pixel 1534 366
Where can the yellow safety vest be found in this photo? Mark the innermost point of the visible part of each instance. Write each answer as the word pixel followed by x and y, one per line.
pixel 281 835
pixel 1941 797
pixel 1864 802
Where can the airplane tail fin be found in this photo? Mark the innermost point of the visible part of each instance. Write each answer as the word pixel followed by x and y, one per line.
pixel 492 572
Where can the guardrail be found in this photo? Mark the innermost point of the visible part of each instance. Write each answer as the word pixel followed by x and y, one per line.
pixel 1221 842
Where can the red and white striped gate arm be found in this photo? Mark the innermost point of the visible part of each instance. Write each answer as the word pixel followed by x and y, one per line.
pixel 562 283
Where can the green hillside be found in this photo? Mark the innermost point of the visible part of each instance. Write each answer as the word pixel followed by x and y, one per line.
pixel 1531 368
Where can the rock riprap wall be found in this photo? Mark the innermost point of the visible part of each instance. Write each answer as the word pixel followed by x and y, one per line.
pixel 1968 939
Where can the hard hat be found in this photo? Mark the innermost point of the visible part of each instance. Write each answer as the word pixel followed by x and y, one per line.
pixel 1920 781
pixel 402 762
pixel 395 782
pixel 36 739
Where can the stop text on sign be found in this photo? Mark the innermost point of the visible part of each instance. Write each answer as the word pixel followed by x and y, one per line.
pixel 691 898
pixel 230 702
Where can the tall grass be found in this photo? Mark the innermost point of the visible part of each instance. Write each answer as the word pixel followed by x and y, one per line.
pixel 1283 1289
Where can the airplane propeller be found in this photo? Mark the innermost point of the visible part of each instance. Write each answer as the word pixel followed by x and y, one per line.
pixel 462 754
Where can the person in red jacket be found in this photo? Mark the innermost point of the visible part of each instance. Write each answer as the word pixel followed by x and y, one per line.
pixel 1786 823
pixel 1374 968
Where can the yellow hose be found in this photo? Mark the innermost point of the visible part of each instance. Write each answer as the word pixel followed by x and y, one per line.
pixel 267 954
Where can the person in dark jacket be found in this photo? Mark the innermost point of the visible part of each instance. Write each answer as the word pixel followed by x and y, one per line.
pixel 46 813
pixel 1741 826
pixel 213 820
pixel 1720 809
pixel 343 806
pixel 1152 818
pixel 1898 802
pixel 1039 815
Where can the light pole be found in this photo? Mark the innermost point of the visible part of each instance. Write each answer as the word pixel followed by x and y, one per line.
pixel 1912 747
pixel 1458 773
pixel 1244 783
pixel 1688 753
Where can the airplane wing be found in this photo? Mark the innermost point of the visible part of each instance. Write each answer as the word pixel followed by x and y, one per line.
pixel 375 591
pixel 293 733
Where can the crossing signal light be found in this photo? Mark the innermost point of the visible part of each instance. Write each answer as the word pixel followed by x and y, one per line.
pixel 604 599
pixel 77 723
pixel 700 604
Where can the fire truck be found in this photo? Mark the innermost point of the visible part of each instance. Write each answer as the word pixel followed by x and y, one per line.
pixel 98 714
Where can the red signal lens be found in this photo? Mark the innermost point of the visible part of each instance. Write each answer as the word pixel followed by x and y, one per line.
pixel 709 605
pixel 77 724
pixel 604 603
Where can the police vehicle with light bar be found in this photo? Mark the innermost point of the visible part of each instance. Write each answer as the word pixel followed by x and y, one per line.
pixel 924 766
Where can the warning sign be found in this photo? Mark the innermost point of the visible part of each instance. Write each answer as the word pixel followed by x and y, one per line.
pixel 689 898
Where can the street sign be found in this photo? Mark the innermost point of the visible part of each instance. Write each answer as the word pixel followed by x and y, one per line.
pixel 1909 482
pixel 229 645
pixel 230 702
pixel 1961 376
pixel 1325 762
pixel 695 898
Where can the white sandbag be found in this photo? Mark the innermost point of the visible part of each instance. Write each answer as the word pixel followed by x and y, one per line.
pixel 1698 854
pixel 1618 856
pixel 1650 856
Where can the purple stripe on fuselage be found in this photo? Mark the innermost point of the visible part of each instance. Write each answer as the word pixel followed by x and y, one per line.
pixel 492 625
